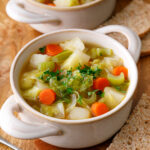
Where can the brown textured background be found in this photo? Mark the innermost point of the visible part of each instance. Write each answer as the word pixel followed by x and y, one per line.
pixel 13 36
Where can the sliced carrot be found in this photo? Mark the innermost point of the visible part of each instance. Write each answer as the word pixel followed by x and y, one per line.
pixel 53 49
pixel 99 108
pixel 119 69
pixel 47 96
pixel 100 83
pixel 51 4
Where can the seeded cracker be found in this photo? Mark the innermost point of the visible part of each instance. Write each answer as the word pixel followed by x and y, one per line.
pixel 135 135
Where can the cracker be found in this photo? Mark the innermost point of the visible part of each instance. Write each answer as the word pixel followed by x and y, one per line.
pixel 136 16
pixel 146 45
pixel 135 135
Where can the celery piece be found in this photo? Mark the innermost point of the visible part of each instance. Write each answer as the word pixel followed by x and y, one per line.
pixel 116 80
pixel 96 52
pixel 46 65
pixel 31 94
pixel 106 51
pixel 61 57
pixel 90 100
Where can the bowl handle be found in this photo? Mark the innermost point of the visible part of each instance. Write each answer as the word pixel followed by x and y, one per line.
pixel 16 10
pixel 19 129
pixel 134 42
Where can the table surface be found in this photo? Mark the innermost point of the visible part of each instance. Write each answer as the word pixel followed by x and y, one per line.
pixel 13 36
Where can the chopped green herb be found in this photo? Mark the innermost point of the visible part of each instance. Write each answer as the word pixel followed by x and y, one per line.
pixel 69 90
pixel 69 72
pixel 40 77
pixel 42 49
pixel 100 93
pixel 91 92
pixel 60 77
pixel 88 71
pixel 79 100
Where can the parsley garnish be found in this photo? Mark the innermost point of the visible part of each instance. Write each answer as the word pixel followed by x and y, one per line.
pixel 69 90
pixel 42 49
pixel 60 77
pixel 69 72
pixel 88 71
pixel 47 75
pixel 100 93
pixel 91 92
pixel 80 100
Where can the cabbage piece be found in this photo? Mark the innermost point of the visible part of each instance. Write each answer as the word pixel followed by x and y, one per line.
pixel 55 110
pixel 116 80
pixel 73 103
pixel 36 59
pixel 87 83
pixel 110 62
pixel 78 113
pixel 46 65
pixel 75 59
pixel 31 94
pixel 73 45
pixel 112 97
pixel 80 83
pixel 26 81
pixel 66 3
pixel 41 85
pixel 57 87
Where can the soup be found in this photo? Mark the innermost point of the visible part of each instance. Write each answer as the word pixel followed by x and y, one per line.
pixel 64 3
pixel 74 80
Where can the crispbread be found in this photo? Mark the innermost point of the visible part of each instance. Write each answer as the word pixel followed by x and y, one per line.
pixel 135 135
pixel 145 50
pixel 146 45
pixel 136 16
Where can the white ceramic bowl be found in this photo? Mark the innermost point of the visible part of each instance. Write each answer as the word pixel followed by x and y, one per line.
pixel 70 133
pixel 45 18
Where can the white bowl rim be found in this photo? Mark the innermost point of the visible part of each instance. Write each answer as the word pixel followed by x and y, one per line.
pixel 65 8
pixel 65 121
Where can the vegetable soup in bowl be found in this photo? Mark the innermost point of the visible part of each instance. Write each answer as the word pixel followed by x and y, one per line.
pixel 74 80
pixel 47 15
pixel 72 84
pixel 64 3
